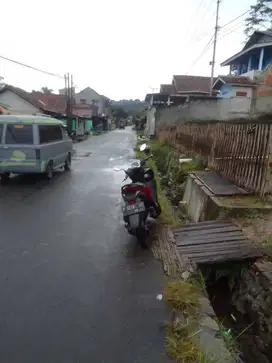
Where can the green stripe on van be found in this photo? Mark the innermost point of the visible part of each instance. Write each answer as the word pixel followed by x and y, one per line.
pixel 17 163
pixel 38 122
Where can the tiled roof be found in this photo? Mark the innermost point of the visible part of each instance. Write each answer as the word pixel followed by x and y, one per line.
pixel 50 102
pixel 82 110
pixel 167 88
pixel 191 83
pixel 237 80
pixel 23 94
pixel 47 102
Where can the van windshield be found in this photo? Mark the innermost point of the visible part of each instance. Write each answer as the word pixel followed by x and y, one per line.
pixel 19 134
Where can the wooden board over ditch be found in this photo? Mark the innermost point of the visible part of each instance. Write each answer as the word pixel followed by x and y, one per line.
pixel 218 185
pixel 215 242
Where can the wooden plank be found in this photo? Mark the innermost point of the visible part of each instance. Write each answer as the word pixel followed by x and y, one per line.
pixel 190 242
pixel 203 223
pixel 219 259
pixel 210 252
pixel 207 258
pixel 266 185
pixel 217 236
pixel 214 246
pixel 263 152
pixel 210 231
pixel 260 141
pixel 201 227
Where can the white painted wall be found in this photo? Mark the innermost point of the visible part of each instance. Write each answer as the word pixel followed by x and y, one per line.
pixel 17 104
pixel 235 107
pixel 150 121
pixel 241 89
pixel 92 97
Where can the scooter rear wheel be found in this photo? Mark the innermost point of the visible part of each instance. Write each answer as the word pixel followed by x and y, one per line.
pixel 141 235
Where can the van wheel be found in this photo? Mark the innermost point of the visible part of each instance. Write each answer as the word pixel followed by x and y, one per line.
pixel 68 161
pixel 5 178
pixel 49 171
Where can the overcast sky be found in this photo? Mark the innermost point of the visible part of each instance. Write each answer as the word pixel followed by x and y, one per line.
pixel 120 48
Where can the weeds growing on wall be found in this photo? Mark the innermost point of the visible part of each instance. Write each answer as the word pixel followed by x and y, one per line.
pixel 267 248
pixel 172 172
pixel 168 215
pixel 182 297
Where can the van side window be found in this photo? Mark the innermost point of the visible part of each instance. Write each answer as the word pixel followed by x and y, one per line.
pixel 50 133
pixel 1 132
pixel 19 134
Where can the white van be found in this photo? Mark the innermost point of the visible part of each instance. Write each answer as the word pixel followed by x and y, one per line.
pixel 33 144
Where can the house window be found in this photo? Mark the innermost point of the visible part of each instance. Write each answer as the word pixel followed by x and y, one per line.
pixel 241 94
pixel 19 134
pixel 50 133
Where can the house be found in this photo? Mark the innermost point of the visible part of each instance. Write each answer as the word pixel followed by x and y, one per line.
pixel 237 86
pixel 197 85
pixel 255 56
pixel 91 97
pixel 167 88
pixel 22 102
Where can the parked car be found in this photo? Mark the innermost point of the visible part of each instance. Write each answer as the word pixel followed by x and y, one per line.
pixel 33 144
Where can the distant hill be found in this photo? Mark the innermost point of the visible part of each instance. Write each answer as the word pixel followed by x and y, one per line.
pixel 130 106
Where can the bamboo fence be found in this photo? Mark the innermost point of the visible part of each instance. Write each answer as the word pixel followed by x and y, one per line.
pixel 242 153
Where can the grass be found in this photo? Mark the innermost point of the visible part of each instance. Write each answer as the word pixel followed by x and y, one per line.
pixel 183 297
pixel 267 248
pixel 181 348
pixel 167 216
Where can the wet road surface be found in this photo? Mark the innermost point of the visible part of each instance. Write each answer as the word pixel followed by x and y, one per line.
pixel 74 286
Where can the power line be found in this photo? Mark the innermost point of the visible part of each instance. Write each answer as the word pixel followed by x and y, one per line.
pixel 194 29
pixel 208 8
pixel 238 17
pixel 206 48
pixel 231 31
pixel 30 67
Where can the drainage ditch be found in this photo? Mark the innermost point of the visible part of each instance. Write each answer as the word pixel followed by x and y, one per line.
pixel 243 307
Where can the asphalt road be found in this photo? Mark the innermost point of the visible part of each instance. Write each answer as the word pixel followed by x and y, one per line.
pixel 74 286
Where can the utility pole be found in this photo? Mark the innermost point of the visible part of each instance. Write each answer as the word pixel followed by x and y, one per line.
pixel 69 104
pixel 214 43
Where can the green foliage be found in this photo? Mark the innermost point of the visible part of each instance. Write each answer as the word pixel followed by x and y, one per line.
pixel 131 107
pixel 181 348
pixel 182 296
pixel 46 90
pixel 267 248
pixel 260 15
pixel 118 112
pixel 167 216
pixel 173 174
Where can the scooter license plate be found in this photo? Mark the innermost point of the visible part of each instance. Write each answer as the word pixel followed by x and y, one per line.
pixel 129 209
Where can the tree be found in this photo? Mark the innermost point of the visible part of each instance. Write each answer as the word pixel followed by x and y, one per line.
pixel 260 15
pixel 46 90
pixel 118 112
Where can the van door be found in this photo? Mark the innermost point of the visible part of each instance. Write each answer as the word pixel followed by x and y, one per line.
pixel 17 150
pixel 52 145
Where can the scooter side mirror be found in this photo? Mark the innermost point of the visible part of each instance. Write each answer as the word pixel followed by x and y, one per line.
pixel 116 169
pixel 143 147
